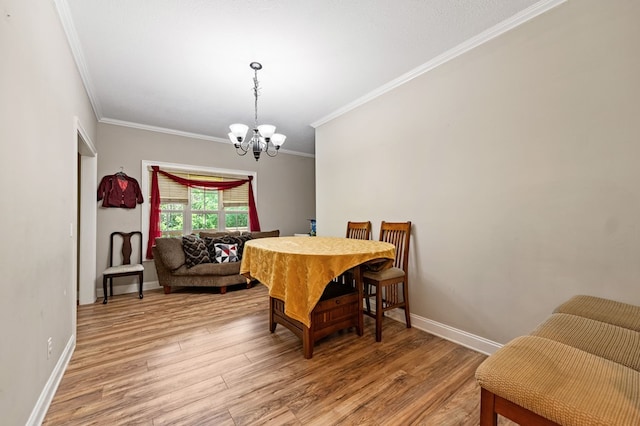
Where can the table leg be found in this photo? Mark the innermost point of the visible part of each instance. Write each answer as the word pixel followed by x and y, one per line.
pixel 307 342
pixel 272 321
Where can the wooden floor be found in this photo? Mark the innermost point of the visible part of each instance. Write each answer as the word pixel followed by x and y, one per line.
pixel 196 357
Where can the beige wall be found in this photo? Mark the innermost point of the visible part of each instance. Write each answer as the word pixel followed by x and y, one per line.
pixel 285 184
pixel 517 163
pixel 41 93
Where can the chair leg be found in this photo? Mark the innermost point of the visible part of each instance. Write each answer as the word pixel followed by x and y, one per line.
pixel 405 295
pixel 379 314
pixel 141 278
pixel 104 288
pixel 366 297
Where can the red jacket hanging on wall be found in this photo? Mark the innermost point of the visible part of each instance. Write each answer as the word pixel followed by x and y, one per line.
pixel 119 190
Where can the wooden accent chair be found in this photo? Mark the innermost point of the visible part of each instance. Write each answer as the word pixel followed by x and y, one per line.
pixel 126 267
pixel 390 286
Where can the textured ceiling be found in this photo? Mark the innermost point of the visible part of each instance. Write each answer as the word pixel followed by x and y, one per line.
pixel 183 65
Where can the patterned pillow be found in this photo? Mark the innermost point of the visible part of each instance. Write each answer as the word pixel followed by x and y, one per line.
pixel 238 240
pixel 226 253
pixel 195 251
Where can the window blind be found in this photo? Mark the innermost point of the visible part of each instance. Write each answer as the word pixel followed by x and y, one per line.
pixel 173 192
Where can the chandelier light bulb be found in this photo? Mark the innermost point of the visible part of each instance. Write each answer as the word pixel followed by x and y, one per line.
pixel 239 131
pixel 278 139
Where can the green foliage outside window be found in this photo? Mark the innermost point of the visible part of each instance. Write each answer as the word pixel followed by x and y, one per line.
pixel 204 212
pixel 202 221
pixel 236 217
pixel 202 199
pixel 171 218
pixel 171 222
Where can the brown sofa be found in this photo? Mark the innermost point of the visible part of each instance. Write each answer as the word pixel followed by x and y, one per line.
pixel 579 367
pixel 170 262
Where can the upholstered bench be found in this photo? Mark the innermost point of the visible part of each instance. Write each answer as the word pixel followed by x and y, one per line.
pixel 572 369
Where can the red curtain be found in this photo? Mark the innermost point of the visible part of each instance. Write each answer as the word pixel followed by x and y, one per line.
pixel 154 220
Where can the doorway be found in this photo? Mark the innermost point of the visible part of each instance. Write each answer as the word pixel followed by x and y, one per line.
pixel 86 218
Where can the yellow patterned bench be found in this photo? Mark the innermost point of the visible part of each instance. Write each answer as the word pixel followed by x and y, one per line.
pixel 580 367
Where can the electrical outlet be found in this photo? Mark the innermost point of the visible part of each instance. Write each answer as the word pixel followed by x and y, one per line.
pixel 49 347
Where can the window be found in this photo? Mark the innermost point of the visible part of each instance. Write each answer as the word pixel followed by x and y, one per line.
pixel 185 210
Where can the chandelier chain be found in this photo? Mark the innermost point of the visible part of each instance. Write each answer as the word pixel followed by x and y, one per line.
pixel 256 93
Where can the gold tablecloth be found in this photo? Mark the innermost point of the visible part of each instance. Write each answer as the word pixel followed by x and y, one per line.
pixel 297 269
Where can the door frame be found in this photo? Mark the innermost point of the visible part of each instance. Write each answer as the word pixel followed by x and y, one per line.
pixel 87 210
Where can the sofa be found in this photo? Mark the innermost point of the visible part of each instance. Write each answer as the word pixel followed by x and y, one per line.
pixel 579 367
pixel 190 261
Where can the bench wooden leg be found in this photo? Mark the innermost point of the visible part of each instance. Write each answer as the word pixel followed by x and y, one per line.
pixel 491 405
pixel 167 289
pixel 488 416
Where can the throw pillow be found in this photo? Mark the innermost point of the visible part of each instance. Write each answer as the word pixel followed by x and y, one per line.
pixel 226 253
pixel 195 251
pixel 211 244
pixel 238 240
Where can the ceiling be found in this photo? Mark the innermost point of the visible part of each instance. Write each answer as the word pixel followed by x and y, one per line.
pixel 182 66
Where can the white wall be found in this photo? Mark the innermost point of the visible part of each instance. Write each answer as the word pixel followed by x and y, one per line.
pixel 285 184
pixel 517 162
pixel 41 94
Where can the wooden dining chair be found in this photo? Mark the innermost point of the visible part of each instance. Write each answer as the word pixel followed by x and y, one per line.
pixel 359 230
pixel 390 286
pixel 125 267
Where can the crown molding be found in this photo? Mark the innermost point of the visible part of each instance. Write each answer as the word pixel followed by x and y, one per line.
pixel 186 134
pixel 501 28
pixel 76 49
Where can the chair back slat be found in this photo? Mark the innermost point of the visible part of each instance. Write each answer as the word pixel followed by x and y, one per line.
pixel 126 249
pixel 398 234
pixel 359 230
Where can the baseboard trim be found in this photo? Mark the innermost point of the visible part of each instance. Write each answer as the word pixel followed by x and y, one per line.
pixel 129 288
pixel 460 337
pixel 46 396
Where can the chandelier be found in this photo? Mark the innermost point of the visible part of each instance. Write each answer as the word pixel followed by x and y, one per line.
pixel 264 138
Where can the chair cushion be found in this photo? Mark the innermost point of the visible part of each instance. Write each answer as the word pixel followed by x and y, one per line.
pixel 171 252
pixel 605 310
pixel 123 269
pixel 609 341
pixel 195 250
pixel 385 274
pixel 562 383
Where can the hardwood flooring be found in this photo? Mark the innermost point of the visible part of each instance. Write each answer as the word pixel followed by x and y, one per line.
pixel 196 357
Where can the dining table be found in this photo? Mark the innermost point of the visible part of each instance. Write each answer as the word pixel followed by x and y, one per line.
pixel 297 272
